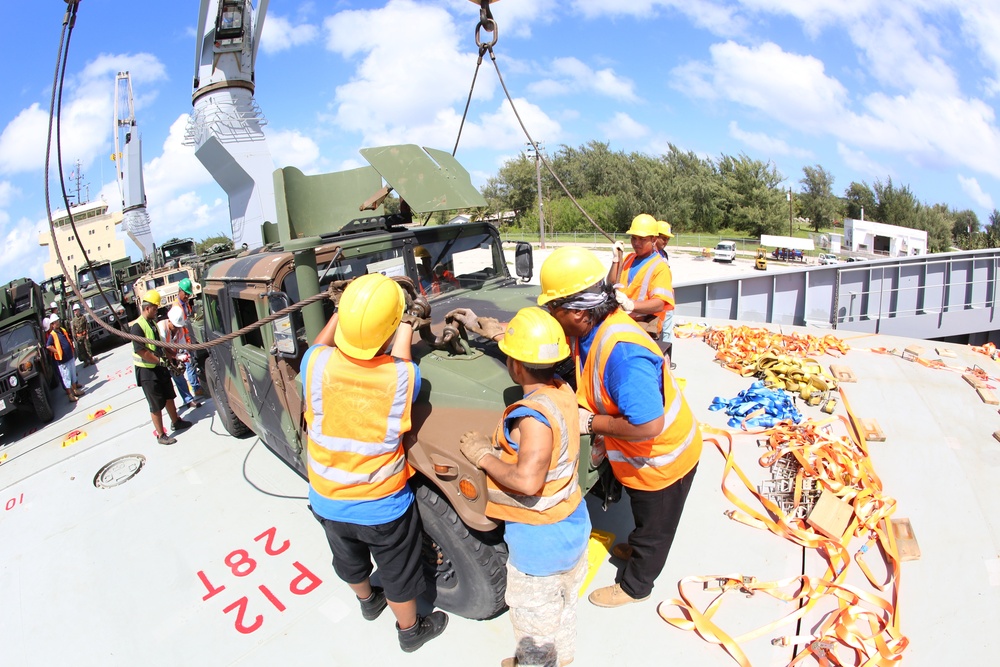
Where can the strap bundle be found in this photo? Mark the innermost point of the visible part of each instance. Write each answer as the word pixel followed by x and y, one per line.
pixel 741 348
pixel 757 407
pixel 807 460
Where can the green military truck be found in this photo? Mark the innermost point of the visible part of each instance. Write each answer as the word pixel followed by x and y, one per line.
pixel 102 276
pixel 319 238
pixel 26 369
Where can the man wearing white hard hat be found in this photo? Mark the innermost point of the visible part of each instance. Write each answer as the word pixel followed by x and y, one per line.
pixel 60 345
pixel 172 329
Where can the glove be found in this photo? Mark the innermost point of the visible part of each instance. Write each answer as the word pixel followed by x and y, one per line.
pixel 626 303
pixel 586 421
pixel 489 327
pixel 618 251
pixel 463 315
pixel 475 446
pixel 336 290
pixel 183 357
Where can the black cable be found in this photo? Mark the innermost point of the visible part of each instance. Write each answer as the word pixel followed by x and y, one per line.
pixel 266 493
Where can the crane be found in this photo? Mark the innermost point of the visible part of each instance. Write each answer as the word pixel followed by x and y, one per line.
pixel 226 122
pixel 128 167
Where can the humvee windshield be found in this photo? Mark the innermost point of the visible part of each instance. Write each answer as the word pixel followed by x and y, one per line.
pixel 86 278
pixel 17 336
pixel 178 250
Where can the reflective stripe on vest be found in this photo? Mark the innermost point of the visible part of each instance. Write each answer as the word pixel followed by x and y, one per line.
pixel 149 332
pixel 651 464
pixel 560 494
pixel 642 287
pixel 356 414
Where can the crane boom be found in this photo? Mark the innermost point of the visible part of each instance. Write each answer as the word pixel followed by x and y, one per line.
pixel 128 167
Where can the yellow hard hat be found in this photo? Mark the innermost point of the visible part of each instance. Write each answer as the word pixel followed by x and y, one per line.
pixel 664 227
pixel 568 270
pixel 370 310
pixel 644 225
pixel 420 252
pixel 534 337
pixel 153 297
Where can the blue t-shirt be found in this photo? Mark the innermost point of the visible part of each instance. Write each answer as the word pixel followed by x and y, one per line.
pixel 361 512
pixel 637 264
pixel 551 548
pixel 633 377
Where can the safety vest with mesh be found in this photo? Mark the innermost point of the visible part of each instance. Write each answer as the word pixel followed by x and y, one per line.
pixel 184 336
pixel 356 414
pixel 653 280
pixel 651 464
pixel 560 494
pixel 60 353
pixel 149 331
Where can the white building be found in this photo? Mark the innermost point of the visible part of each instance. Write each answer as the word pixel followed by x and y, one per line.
pixel 96 228
pixel 881 240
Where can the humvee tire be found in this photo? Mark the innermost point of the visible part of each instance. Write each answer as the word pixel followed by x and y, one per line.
pixel 40 400
pixel 466 572
pixel 217 391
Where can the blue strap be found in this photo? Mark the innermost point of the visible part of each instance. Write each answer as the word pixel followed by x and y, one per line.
pixel 777 406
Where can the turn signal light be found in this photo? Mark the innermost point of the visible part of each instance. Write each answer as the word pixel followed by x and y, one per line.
pixel 24 366
pixel 468 489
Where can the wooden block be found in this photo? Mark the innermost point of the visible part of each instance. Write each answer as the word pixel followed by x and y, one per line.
pixel 973 380
pixel 873 432
pixel 912 351
pixel 842 373
pixel 988 396
pixel 830 515
pixel 906 541
pixel 996 435
pixel 945 352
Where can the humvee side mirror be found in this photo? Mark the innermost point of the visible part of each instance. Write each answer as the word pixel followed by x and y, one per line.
pixel 524 261
pixel 285 342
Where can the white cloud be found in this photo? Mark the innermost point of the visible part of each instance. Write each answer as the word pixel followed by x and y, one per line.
pixel 764 143
pixel 280 35
pixel 716 17
pixel 515 17
pixel 573 76
pixel 860 162
pixel 971 187
pixel 292 147
pixel 7 193
pixel 20 253
pixel 623 126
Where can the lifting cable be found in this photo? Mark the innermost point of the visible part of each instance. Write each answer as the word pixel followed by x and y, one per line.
pixel 488 24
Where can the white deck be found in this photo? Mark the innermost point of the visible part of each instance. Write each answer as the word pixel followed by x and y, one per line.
pixel 120 576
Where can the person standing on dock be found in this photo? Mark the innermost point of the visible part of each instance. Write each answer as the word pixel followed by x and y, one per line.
pixel 60 346
pixel 531 472
pixel 184 291
pixel 81 335
pixel 627 395
pixel 150 370
pixel 360 365
pixel 667 327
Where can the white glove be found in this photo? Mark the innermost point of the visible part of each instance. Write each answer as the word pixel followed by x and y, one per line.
pixel 626 303
pixel 618 250
pixel 586 421
pixel 183 357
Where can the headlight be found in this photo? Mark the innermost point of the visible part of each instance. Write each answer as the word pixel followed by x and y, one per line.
pixel 111 318
pixel 13 380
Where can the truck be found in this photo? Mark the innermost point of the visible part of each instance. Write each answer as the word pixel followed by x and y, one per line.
pixel 318 238
pixel 91 281
pixel 174 261
pixel 725 251
pixel 26 369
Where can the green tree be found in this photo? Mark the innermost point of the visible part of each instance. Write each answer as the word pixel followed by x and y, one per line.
pixel 936 221
pixel 859 198
pixel 817 201
pixel 209 241
pixel 694 192
pixel 896 206
pixel 514 188
pixel 752 202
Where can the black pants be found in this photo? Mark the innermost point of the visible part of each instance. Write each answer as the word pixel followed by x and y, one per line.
pixel 656 515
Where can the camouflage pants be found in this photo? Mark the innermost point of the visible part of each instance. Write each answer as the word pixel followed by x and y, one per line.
pixel 543 613
pixel 83 349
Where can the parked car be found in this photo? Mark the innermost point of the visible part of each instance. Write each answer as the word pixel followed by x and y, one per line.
pixel 855 258
pixel 724 252
pixel 828 258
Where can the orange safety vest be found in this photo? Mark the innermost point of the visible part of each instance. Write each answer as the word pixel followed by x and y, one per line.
pixel 60 353
pixel 652 464
pixel 653 280
pixel 356 414
pixel 560 495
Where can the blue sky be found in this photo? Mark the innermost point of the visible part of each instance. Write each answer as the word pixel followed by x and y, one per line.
pixel 866 88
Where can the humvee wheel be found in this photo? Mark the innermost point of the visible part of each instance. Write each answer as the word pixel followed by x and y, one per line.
pixel 466 571
pixel 40 399
pixel 217 391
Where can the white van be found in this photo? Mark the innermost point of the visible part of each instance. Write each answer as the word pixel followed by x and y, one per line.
pixel 724 252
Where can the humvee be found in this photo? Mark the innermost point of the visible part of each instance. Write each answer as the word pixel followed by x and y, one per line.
pixel 319 238
pixel 25 367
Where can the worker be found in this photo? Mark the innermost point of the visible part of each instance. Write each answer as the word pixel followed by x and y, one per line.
pixel 184 291
pixel 643 276
pixel 150 370
pixel 60 346
pixel 531 467
pixel 81 335
pixel 172 331
pixel 357 469
pixel 667 327
pixel 628 395
pixel 433 279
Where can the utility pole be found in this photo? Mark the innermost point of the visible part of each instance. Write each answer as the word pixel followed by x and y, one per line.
pixel 538 178
pixel 789 211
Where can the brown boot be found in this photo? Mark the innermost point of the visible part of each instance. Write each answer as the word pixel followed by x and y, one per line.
pixel 622 551
pixel 612 596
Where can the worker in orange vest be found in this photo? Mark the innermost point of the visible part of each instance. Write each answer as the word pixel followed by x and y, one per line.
pixel 667 328
pixel 531 467
pixel 60 344
pixel 628 395
pixel 357 468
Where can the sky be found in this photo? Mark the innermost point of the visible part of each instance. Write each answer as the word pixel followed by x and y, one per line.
pixel 867 89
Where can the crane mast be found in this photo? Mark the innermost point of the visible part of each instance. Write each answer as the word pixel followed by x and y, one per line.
pixel 226 122
pixel 128 167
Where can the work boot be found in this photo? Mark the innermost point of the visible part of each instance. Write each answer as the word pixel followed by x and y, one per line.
pixel 425 629
pixel 165 439
pixel 372 607
pixel 622 551
pixel 180 425
pixel 612 596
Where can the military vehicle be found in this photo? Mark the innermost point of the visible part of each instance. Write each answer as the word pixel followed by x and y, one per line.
pixel 317 239
pixel 100 276
pixel 25 367
pixel 126 278
pixel 173 263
